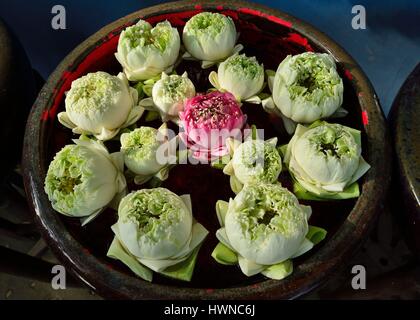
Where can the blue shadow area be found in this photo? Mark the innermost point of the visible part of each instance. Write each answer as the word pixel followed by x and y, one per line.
pixel 387 50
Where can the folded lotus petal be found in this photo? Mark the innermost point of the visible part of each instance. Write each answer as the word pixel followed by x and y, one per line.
pixel 207 64
pixel 279 271
pixel 134 116
pixel 228 169
pixel 289 125
pixel 106 134
pixel 235 184
pixel 118 160
pixel 269 106
pixel 221 210
pixel 198 234
pixel 254 100
pixel 224 255
pixel 213 78
pixel 248 267
pixel 186 198
pixel 160 265
pixel 116 251
pixel 85 220
pixel 139 180
pixel 361 170
pixel 304 247
pixel 148 104
pixel 65 121
pixel 222 237
pixel 270 78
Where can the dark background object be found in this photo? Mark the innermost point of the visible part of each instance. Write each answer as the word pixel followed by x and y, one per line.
pixel 405 122
pixel 14 262
pixel 18 90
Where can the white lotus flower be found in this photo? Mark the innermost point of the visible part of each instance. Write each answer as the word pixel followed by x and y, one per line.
pixel 100 104
pixel 264 227
pixel 156 230
pixel 254 160
pixel 240 75
pixel 169 95
pixel 140 149
pixel 84 178
pixel 325 159
pixel 210 37
pixel 307 87
pixel 145 52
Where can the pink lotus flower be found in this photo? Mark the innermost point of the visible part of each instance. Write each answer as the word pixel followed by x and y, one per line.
pixel 208 120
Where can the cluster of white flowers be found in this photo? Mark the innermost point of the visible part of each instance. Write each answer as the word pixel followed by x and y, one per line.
pixel 263 227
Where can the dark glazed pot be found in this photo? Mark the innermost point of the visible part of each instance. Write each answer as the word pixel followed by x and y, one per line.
pixel 18 91
pixel 405 119
pixel 260 27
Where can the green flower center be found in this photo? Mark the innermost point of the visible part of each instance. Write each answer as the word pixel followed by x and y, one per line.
pixel 309 82
pixel 92 92
pixel 333 142
pixel 175 88
pixel 143 35
pixel 266 219
pixel 315 80
pixel 140 143
pixel 67 184
pixel 246 66
pixel 68 170
pixel 146 210
pixel 256 153
pixel 269 208
pixel 152 209
pixel 207 23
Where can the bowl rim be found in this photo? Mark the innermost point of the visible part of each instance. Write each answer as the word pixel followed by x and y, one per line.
pixel 309 274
